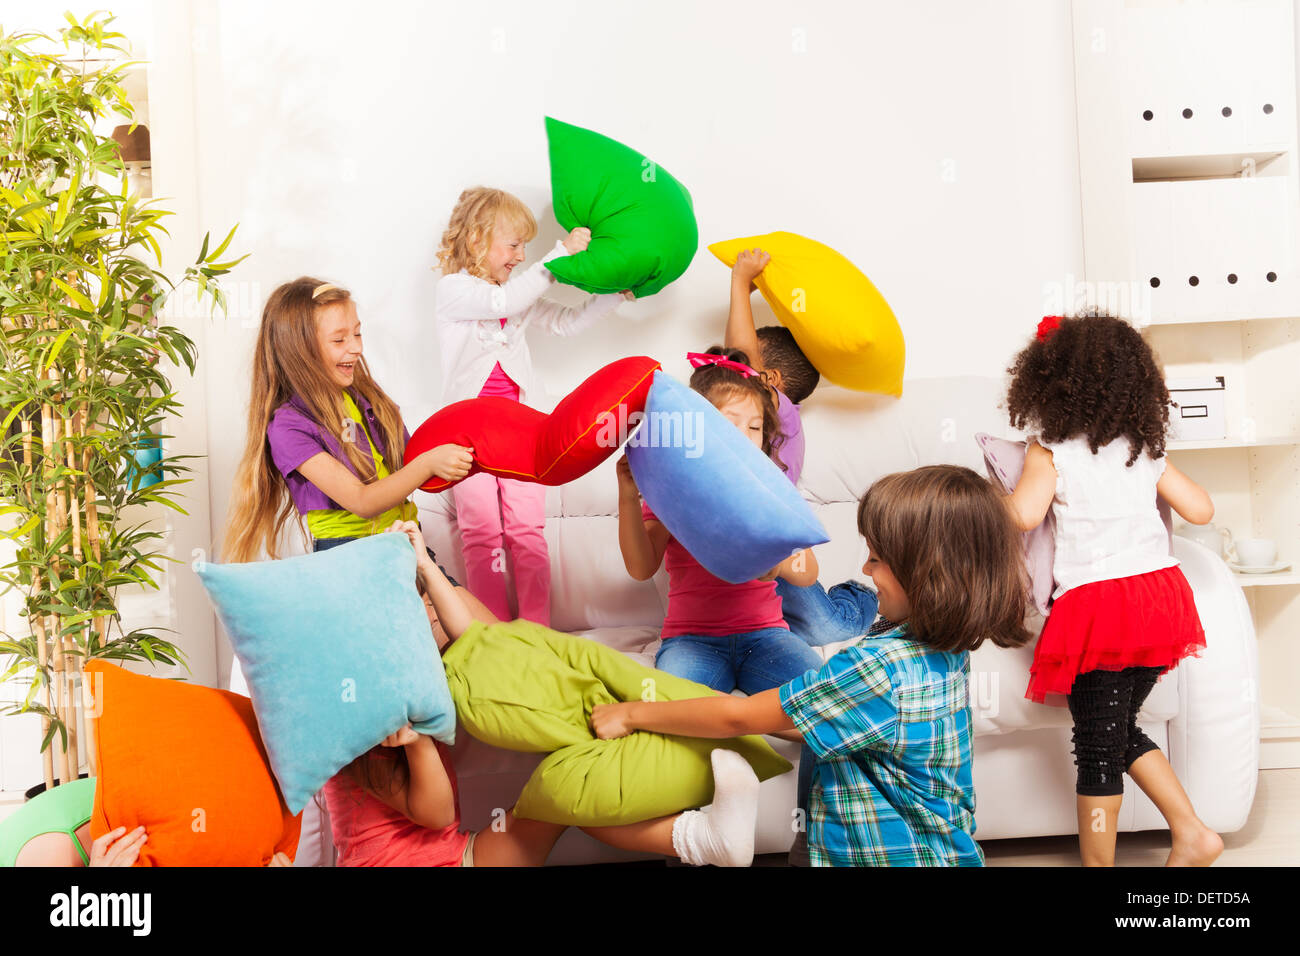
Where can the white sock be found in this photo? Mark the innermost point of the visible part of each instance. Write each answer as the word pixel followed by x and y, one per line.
pixel 724 835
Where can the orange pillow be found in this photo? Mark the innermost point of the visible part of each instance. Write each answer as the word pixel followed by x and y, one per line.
pixel 187 763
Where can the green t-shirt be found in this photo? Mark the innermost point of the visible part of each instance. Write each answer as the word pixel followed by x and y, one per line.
pixel 61 810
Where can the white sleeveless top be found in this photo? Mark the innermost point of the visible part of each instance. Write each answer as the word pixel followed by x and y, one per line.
pixel 1107 525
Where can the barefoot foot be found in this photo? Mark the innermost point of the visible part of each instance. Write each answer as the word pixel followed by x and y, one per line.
pixel 1201 848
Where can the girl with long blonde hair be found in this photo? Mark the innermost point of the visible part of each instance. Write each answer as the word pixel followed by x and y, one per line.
pixel 324 439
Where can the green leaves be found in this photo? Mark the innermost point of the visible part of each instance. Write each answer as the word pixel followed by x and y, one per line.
pixel 87 348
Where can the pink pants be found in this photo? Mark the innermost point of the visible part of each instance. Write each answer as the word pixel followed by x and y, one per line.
pixel 495 512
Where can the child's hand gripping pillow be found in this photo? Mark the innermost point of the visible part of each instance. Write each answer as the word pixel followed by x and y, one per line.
pixel 838 318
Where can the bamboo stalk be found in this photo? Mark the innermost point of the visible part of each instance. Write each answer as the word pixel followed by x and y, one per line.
pixel 67 514
pixel 92 501
pixel 49 438
pixel 38 620
pixel 74 659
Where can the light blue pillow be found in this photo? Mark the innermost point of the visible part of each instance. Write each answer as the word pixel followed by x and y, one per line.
pixel 338 654
pixel 727 503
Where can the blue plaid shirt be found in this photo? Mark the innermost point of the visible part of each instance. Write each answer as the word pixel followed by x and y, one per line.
pixel 888 720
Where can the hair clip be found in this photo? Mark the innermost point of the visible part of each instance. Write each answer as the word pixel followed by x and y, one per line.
pixel 1048 326
pixel 325 287
pixel 698 359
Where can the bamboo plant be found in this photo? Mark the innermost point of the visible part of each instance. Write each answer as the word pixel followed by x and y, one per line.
pixel 88 349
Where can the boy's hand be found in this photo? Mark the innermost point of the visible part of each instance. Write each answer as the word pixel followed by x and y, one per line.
pixel 627 294
pixel 400 738
pixel 749 264
pixel 578 240
pixel 280 859
pixel 609 721
pixel 117 847
pixel 626 482
pixel 412 531
pixel 451 462
pixel 771 575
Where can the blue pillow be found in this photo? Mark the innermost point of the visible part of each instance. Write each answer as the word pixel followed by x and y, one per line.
pixel 727 503
pixel 338 654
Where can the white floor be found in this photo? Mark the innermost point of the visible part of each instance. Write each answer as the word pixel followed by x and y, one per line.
pixel 1271 836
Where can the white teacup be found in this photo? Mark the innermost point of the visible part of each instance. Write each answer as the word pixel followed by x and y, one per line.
pixel 1256 552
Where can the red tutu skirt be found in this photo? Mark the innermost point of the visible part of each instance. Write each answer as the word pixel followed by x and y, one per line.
pixel 1147 620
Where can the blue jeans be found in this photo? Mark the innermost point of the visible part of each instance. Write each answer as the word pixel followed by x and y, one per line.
pixel 822 617
pixel 753 661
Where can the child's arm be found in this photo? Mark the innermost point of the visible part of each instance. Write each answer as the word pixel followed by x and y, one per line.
pixel 740 332
pixel 562 320
pixel 641 542
pixel 453 613
pixel 1190 500
pixel 717 717
pixel 331 476
pixel 427 797
pixel 799 569
pixel 465 298
pixel 1034 492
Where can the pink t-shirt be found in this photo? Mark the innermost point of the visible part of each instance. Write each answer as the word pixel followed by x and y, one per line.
pixel 499 384
pixel 700 603
pixel 368 832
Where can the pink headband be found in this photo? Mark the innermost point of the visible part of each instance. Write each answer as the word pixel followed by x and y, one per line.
pixel 698 359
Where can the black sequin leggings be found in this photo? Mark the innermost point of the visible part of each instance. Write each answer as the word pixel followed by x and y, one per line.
pixel 1105 705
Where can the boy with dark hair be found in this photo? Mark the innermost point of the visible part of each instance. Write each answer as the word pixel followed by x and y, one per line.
pixel 775 355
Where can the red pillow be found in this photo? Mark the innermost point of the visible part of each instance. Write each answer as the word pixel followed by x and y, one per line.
pixel 187 763
pixel 511 440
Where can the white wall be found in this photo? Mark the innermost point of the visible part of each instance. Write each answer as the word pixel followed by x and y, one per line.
pixel 932 143
pixel 340 141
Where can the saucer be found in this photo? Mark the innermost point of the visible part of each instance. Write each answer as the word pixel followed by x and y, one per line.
pixel 1265 569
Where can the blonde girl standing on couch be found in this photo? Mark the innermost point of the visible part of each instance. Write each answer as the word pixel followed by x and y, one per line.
pixel 485 305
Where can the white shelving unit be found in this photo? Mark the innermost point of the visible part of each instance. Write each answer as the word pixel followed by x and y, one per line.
pixel 1190 176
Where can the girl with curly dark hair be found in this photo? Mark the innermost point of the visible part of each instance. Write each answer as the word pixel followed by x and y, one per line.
pixel 1092 397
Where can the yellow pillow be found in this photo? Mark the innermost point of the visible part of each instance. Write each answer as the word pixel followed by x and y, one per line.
pixel 840 320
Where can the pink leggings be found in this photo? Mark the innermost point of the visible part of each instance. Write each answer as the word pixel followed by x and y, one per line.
pixel 497 515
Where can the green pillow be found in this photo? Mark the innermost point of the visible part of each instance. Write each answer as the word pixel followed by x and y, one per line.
pixel 522 686
pixel 642 222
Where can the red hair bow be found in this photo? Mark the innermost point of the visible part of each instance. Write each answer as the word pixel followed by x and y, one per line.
pixel 1048 326
pixel 698 359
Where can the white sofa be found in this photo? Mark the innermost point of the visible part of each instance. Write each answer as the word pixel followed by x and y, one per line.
pixel 1205 715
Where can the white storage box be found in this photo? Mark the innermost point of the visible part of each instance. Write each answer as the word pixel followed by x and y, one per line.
pixel 1197 414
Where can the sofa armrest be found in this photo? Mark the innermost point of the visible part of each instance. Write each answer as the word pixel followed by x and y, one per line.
pixel 1214 738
